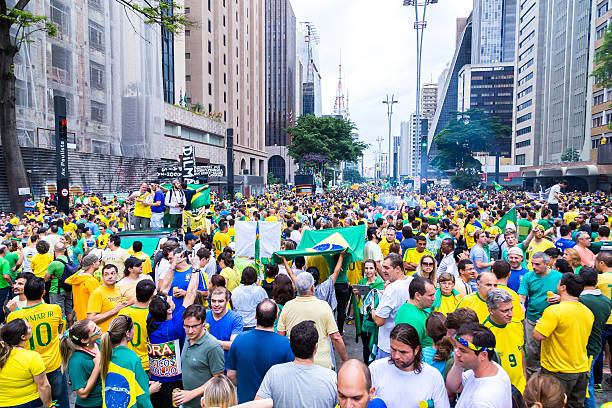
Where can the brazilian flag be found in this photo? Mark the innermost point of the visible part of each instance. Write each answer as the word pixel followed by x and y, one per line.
pixel 200 199
pixel 498 187
pixel 120 388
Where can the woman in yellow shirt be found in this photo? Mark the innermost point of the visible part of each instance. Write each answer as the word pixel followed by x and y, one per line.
pixel 22 372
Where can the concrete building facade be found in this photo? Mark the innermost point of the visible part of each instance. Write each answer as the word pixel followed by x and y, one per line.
pixel 551 82
pixel 225 73
pixel 281 111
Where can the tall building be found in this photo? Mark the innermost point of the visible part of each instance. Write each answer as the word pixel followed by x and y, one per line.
pixel 489 87
pixel 106 62
pixel 410 164
pixel 551 80
pixel 281 85
pixel 601 99
pixel 309 76
pixel 429 102
pixel 493 32
pixel 340 102
pixel 225 73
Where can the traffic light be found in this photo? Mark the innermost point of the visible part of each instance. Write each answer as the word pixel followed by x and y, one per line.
pixel 424 141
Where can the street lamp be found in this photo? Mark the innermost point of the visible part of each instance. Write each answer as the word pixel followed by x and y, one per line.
pixel 390 162
pixel 419 25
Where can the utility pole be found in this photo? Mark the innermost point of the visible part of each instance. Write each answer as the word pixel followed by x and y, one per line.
pixel 390 164
pixel 378 167
pixel 419 25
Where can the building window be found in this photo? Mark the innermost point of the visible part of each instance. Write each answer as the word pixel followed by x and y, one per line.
pixel 187 10
pixel 187 78
pixel 524 143
pixel 209 88
pixel 525 53
pixel 526 79
pixel 524 105
pixel 96 5
pixel 526 39
pixel 167 42
pixel 525 92
pixel 523 118
pixel 519 159
pixel 187 55
pixel 601 30
pixel 223 39
pixel 96 75
pixel 598 121
pixel 224 59
pixel 209 26
pixel 598 99
pixel 209 68
pixel 60 16
pixel 96 36
pixel 187 33
pixel 608 118
pixel 61 63
pixel 522 132
pixel 525 66
pixel 209 47
pixel 224 97
pixel 98 111
pixel 602 9
pixel 210 107
pixel 209 9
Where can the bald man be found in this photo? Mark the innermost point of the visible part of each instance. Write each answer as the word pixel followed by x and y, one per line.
pixel 355 386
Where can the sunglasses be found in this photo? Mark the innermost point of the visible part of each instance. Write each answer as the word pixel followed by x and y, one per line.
pixel 428 264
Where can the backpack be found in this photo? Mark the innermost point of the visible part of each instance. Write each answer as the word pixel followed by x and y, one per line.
pixel 70 268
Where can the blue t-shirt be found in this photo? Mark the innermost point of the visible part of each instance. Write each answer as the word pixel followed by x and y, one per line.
pixel 225 327
pixel 168 331
pixel 563 243
pixel 159 196
pixel 252 354
pixel 428 357
pixel 514 281
pixel 377 403
pixel 477 253
pixel 407 243
pixel 181 281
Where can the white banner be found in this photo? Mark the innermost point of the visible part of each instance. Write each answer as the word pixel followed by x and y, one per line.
pixel 269 238
pixel 245 238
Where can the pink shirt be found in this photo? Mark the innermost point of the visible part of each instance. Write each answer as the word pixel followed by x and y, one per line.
pixel 586 256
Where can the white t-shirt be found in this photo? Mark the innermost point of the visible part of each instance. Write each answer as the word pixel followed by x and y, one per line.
pixel 486 392
pixel 372 251
pixel 400 389
pixel 551 195
pixel 28 253
pixel 393 297
pixel 296 236
pixel 161 270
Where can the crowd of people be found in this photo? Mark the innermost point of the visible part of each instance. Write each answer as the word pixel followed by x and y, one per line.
pixel 460 298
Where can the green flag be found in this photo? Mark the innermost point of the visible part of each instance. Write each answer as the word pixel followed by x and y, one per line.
pixel 200 199
pixel 498 187
pixel 329 242
pixel 509 217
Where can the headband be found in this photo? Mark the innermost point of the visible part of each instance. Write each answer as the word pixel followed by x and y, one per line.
pixel 471 346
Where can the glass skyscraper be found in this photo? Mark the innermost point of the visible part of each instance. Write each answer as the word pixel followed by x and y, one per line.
pixel 494 23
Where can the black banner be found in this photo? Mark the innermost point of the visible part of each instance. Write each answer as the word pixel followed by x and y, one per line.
pixel 61 151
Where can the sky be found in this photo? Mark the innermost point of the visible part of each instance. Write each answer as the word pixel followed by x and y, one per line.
pixel 378 44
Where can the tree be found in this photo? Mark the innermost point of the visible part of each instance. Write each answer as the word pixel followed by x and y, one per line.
pixel 16 27
pixel 323 141
pixel 352 176
pixel 603 61
pixel 473 131
pixel 271 179
pixel 570 155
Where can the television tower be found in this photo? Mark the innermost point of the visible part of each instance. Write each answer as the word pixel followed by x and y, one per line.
pixel 339 104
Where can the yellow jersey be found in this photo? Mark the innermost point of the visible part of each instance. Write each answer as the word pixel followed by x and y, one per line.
pixel 40 263
pixel 102 240
pixel 509 344
pixel 232 278
pixel 413 256
pixel 321 264
pixel 141 336
pixel 518 314
pixel 604 283
pixel 540 247
pixel 231 231
pixel 384 245
pixel 146 261
pixel 16 377
pixel 448 303
pixel 354 273
pixel 469 239
pixel 46 321
pixel 102 300
pixel 567 326
pixel 141 210
pixel 220 241
pixel 475 302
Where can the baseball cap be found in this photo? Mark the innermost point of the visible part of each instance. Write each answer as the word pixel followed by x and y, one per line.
pixel 189 237
pixel 89 260
pixel 515 251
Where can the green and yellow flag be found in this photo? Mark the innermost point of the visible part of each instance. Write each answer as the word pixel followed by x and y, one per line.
pixel 510 217
pixel 200 199
pixel 120 388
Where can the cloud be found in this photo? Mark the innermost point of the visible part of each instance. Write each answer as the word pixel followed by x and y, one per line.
pixel 378 44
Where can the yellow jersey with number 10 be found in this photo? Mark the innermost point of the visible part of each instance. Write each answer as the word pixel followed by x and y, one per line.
pixel 45 320
pixel 141 336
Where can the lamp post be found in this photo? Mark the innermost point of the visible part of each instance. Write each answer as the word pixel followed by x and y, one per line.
pixel 390 164
pixel 419 25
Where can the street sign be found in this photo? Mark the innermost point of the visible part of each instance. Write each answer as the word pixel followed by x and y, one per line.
pixel 208 170
pixel 484 177
pixel 169 172
pixel 64 192
pixel 189 164
pixel 507 178
pixel 423 180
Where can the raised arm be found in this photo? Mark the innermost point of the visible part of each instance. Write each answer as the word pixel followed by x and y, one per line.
pixel 288 268
pixel 192 289
pixel 338 267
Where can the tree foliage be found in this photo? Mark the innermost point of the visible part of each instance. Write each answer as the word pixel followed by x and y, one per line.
pixel 352 176
pixel 570 155
pixel 473 131
pixel 324 141
pixel 271 179
pixel 603 61
pixel 465 179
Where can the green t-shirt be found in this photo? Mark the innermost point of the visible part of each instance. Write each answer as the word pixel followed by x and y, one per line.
pixel 409 313
pixel 524 227
pixel 12 258
pixel 56 269
pixel 601 306
pixel 547 224
pixel 535 288
pixel 596 246
pixel 378 283
pixel 80 367
pixel 5 269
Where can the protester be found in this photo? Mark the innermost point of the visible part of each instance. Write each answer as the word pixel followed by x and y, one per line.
pixel 247 296
pixel 106 301
pixel 415 311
